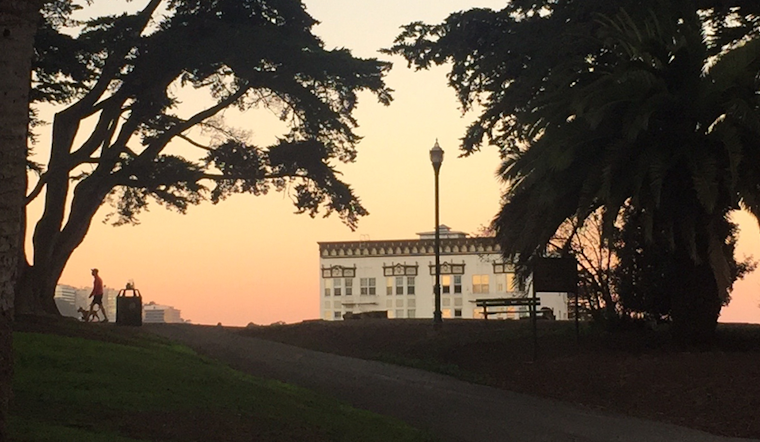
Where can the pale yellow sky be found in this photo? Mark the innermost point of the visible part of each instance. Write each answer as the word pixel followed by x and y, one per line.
pixel 250 259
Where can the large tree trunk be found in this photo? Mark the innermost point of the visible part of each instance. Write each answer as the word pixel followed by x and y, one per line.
pixel 56 236
pixel 35 292
pixel 695 303
pixel 53 246
pixel 18 24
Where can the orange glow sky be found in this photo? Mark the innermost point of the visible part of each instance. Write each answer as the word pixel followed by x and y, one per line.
pixel 250 259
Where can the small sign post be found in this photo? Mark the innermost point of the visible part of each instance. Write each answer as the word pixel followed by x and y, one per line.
pixel 558 275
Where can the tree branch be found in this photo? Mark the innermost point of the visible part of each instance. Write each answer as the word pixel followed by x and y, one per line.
pixel 37 189
pixel 113 65
pixel 157 146
pixel 100 135
pixel 271 176
pixel 195 143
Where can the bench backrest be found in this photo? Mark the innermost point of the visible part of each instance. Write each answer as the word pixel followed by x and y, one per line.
pixel 506 302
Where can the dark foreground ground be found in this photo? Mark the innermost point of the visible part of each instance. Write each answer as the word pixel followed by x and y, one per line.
pixel 636 373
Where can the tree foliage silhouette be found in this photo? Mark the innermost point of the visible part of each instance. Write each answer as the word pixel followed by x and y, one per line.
pixel 126 74
pixel 609 105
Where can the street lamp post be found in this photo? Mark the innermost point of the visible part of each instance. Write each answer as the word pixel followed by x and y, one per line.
pixel 436 157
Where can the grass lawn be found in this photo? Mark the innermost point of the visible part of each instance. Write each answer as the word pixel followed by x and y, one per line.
pixel 93 383
pixel 636 373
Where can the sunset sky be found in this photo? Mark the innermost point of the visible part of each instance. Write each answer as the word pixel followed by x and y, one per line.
pixel 251 259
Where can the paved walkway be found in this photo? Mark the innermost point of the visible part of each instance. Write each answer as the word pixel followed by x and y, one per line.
pixel 452 410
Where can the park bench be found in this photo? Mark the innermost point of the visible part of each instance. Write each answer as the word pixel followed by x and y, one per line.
pixel 377 314
pixel 487 303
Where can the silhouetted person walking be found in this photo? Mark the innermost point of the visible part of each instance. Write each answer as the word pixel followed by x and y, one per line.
pixel 97 295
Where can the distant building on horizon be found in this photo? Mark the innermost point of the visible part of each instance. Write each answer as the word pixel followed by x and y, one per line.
pixel 69 299
pixel 66 299
pixel 109 302
pixel 398 277
pixel 156 313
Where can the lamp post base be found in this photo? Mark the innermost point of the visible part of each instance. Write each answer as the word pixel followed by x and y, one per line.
pixel 437 321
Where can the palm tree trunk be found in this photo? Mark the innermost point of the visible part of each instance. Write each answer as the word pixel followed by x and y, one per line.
pixel 18 24
pixel 696 304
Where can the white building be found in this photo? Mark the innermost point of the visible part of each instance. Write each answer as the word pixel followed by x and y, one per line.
pixel 109 302
pixel 156 313
pixel 83 297
pixel 66 300
pixel 69 299
pixel 398 277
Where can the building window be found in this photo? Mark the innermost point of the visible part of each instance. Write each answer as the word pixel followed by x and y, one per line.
pixel 328 287
pixel 336 315
pixel 410 285
pixel 457 284
pixel 480 284
pixel 367 286
pixel 399 285
pixel 446 284
pixel 411 314
pixel 399 313
pixel 505 282
pixel 337 287
pixel 349 284
pixel 457 312
pixel 389 286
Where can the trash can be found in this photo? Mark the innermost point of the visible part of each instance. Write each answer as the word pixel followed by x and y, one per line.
pixel 129 308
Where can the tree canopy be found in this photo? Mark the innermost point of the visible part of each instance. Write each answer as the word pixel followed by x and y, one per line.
pixel 126 73
pixel 609 105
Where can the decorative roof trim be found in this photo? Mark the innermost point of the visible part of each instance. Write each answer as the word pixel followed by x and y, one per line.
pixel 409 247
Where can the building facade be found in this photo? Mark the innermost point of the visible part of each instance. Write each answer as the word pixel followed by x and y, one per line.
pixel 109 302
pixel 156 313
pixel 398 277
pixel 67 300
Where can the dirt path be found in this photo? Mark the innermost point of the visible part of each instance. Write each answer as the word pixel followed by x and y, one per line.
pixel 452 410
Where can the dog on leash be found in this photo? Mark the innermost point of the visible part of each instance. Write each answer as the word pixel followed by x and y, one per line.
pixel 87 316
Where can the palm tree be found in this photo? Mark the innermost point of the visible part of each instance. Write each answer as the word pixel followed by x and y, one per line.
pixel 658 125
pixel 599 105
